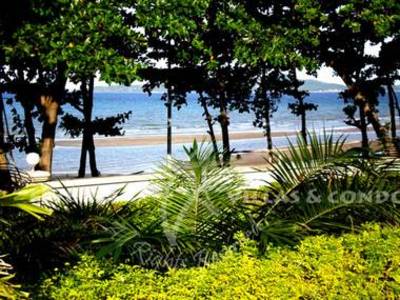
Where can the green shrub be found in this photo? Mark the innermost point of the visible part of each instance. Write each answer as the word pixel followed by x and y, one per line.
pixel 9 290
pixel 23 201
pixel 197 207
pixel 35 247
pixel 319 188
pixel 353 266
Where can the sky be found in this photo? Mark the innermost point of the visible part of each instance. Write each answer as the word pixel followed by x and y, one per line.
pixel 325 74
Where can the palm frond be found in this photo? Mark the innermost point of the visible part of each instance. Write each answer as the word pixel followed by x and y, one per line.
pixel 197 196
pixel 302 162
pixel 9 290
pixel 321 188
pixel 196 207
pixel 24 200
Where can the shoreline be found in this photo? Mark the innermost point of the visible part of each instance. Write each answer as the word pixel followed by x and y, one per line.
pixel 149 140
pixel 255 160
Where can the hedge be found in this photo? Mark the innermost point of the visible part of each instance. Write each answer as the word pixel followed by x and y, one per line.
pixel 353 266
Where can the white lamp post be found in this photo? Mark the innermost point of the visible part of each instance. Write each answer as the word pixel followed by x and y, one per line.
pixel 32 160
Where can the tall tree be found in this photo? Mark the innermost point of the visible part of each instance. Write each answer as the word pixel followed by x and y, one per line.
pixel 5 176
pixel 266 100
pixel 335 34
pixel 389 68
pixel 98 39
pixel 75 40
pixel 230 82
pixel 172 30
pixel 12 16
pixel 29 52
pixel 269 44
pixel 196 40
pixel 344 29
pixel 300 107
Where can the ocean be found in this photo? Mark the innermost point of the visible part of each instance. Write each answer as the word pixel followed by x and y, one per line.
pixel 149 118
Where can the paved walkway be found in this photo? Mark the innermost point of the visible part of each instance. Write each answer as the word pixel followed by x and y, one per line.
pixel 137 185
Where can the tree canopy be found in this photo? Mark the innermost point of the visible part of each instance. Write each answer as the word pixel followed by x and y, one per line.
pixel 235 54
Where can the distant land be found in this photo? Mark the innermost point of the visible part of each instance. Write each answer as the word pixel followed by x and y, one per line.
pixel 320 86
pixel 309 85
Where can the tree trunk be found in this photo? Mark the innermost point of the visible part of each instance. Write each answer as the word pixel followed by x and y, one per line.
pixel 5 177
pixel 85 138
pixel 373 118
pixel 224 122
pixel 30 129
pixel 396 101
pixel 303 120
pixel 50 107
pixel 92 149
pixel 169 123
pixel 392 110
pixel 169 113
pixel 92 157
pixel 267 113
pixel 371 115
pixel 302 111
pixel 361 100
pixel 88 145
pixel 268 131
pixel 82 162
pixel 396 105
pixel 26 98
pixel 364 130
pixel 210 125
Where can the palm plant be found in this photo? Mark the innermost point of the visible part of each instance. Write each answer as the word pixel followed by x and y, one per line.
pixel 303 162
pixel 87 208
pixel 7 289
pixel 36 247
pixel 198 198
pixel 136 235
pixel 24 200
pixel 197 209
pixel 16 178
pixel 321 188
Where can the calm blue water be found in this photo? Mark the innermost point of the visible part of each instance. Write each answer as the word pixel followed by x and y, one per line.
pixel 148 114
pixel 149 118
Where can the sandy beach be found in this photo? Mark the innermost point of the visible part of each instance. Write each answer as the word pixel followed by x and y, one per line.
pixel 142 140
pixel 255 160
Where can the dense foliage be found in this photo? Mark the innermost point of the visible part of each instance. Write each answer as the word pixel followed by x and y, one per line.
pixel 22 200
pixel 353 266
pixel 198 207
pixel 36 247
pixel 221 50
pixel 305 233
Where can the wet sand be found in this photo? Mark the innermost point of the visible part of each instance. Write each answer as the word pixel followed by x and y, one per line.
pixel 257 160
pixel 149 140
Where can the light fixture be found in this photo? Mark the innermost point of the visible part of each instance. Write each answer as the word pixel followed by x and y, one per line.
pixel 32 159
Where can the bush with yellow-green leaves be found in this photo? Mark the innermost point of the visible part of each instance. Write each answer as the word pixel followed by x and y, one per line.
pixel 364 265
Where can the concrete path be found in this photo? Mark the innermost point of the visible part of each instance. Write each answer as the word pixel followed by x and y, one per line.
pixel 137 185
